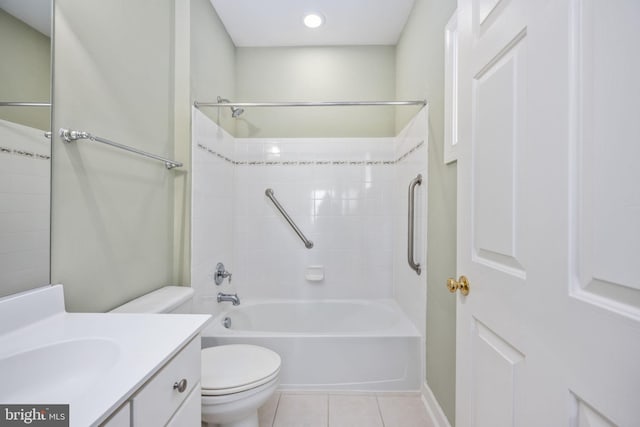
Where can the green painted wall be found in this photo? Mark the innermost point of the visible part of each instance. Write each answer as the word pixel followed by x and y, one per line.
pixel 213 62
pixel 121 223
pixel 112 211
pixel 25 72
pixel 420 73
pixel 324 73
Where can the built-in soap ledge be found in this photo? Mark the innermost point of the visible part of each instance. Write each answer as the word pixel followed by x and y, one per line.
pixel 314 273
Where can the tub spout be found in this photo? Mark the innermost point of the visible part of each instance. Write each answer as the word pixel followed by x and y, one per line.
pixel 232 298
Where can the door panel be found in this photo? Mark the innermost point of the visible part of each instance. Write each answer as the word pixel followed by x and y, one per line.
pixel 548 213
pixel 585 416
pixel 484 8
pixel 607 206
pixel 498 122
pixel 486 13
pixel 495 368
pixel 492 358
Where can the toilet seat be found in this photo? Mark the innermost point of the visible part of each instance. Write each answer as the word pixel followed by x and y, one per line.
pixel 235 368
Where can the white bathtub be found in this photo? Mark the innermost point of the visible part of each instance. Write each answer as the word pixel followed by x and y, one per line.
pixel 358 345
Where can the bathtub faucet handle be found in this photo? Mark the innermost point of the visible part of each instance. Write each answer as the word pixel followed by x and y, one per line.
pixel 220 274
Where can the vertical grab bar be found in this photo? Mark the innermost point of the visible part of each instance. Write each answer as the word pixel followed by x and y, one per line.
pixel 410 238
pixel 307 243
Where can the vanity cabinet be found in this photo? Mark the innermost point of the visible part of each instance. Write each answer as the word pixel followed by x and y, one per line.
pixel 189 414
pixel 170 397
pixel 114 370
pixel 121 418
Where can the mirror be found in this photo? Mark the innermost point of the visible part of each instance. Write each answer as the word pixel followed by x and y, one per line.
pixel 25 152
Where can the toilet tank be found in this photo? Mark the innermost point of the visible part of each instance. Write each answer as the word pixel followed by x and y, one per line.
pixel 170 299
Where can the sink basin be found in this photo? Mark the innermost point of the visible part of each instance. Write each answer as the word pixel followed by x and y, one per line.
pixel 57 372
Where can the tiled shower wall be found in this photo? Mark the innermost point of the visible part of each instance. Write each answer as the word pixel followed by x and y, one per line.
pixel 212 210
pixel 25 182
pixel 410 289
pixel 339 192
pixel 347 195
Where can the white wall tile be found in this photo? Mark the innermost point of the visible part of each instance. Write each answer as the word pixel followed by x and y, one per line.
pixel 409 288
pixel 212 210
pixel 24 208
pixel 349 211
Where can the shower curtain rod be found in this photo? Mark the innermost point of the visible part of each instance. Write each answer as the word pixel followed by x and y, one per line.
pixel 421 102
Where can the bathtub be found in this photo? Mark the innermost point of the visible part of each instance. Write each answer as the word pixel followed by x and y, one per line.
pixel 354 345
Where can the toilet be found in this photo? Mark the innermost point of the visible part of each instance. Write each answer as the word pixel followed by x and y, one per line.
pixel 235 380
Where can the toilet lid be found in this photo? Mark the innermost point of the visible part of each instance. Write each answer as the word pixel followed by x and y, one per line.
pixel 234 368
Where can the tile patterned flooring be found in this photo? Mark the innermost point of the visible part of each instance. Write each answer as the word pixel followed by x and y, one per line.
pixel 291 409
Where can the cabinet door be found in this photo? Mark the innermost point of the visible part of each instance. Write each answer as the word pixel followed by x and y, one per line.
pixel 161 397
pixel 189 413
pixel 121 418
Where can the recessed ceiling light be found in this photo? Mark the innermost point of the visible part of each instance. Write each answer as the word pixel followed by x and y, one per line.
pixel 313 20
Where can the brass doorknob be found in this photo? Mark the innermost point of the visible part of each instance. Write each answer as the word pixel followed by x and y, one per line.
pixel 461 284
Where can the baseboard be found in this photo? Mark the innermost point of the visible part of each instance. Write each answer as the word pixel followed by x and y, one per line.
pixel 438 418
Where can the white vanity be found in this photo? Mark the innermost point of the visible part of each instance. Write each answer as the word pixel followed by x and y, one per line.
pixel 112 369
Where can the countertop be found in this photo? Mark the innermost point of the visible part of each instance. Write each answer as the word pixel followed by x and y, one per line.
pixel 131 347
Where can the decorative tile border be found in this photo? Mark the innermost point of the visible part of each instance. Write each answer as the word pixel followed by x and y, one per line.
pixel 312 162
pixel 5 150
pixel 413 149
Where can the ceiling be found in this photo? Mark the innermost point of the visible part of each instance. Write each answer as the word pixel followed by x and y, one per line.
pixel 278 22
pixel 347 22
pixel 35 13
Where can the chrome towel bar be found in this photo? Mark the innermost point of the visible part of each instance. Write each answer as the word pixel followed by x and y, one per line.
pixel 307 243
pixel 411 229
pixel 73 135
pixel 24 104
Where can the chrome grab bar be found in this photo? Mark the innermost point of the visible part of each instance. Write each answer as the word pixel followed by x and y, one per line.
pixel 307 243
pixel 73 135
pixel 410 238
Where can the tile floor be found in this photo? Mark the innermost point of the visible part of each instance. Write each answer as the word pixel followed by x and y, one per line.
pixel 291 409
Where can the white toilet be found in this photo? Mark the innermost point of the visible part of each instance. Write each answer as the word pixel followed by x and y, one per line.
pixel 236 379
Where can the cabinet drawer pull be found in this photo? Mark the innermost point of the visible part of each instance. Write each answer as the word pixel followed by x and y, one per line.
pixel 180 386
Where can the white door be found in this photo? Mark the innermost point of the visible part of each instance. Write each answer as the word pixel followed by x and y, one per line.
pixel 549 213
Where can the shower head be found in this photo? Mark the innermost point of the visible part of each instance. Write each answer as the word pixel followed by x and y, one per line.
pixel 235 111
